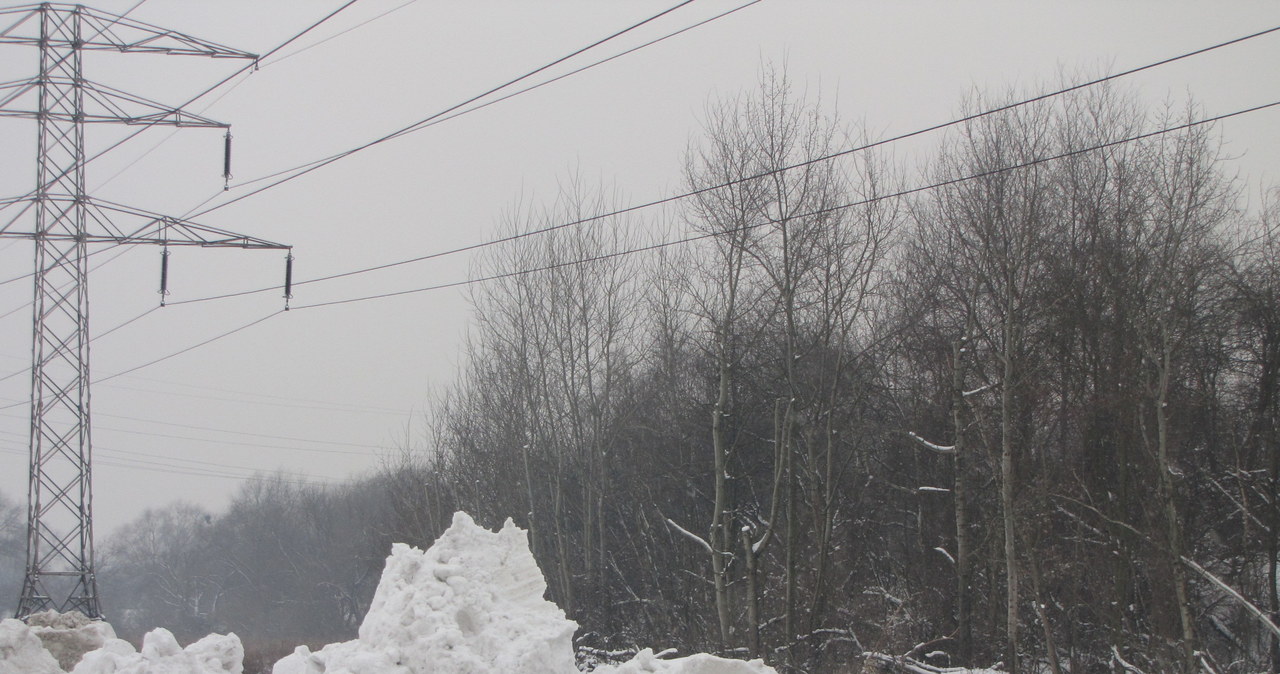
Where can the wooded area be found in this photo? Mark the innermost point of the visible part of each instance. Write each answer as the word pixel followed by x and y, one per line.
pixel 1026 417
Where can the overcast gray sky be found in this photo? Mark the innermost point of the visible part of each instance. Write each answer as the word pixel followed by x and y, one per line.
pixel 322 393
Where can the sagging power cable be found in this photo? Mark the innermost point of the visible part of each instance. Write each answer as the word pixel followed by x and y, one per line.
pixel 724 185
pixel 303 169
pixel 815 213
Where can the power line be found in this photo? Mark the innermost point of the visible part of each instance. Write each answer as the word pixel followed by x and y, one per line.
pixel 230 432
pixel 130 321
pixel 196 471
pixel 193 467
pixel 764 174
pixel 223 443
pixel 206 92
pixel 731 183
pixel 161 359
pixel 323 406
pixel 364 450
pixel 822 211
pixel 152 362
pixel 666 244
pixel 303 479
pixel 246 79
pixel 216 441
pixel 221 430
pixel 432 120
pixel 30 202
pixel 20 307
pixel 254 398
pixel 339 34
pixel 455 115
pixel 445 115
pixel 303 169
pixel 124 250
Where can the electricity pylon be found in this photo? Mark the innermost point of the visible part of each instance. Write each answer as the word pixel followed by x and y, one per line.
pixel 66 221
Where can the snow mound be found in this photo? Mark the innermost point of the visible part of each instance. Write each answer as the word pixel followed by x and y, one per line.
pixel 68 636
pixel 645 661
pixel 473 604
pixel 21 651
pixel 161 654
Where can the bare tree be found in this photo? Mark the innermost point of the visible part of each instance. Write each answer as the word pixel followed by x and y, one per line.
pixel 993 230
pixel 795 268
pixel 1255 301
pixel 554 348
pixel 1190 203
pixel 12 540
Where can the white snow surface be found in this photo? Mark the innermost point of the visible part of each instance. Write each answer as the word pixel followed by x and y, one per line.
pixel 21 651
pixel 471 604
pixel 161 654
pixel 645 661
pixel 67 636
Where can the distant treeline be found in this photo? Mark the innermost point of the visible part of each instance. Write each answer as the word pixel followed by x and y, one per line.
pixel 1027 416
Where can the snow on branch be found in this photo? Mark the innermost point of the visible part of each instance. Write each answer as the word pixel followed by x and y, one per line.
pixel 943 551
pixel 692 536
pixel 1225 631
pixel 980 389
pixel 909 665
pixel 1248 605
pixel 1190 563
pixel 1115 657
pixel 941 449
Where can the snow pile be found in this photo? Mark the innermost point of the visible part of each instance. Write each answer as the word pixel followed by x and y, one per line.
pixel 903 663
pixel 473 604
pixel 31 649
pixel 68 636
pixel 645 661
pixel 21 651
pixel 161 654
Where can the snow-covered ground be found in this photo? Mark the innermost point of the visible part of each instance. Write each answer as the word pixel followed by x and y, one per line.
pixel 23 651
pixel 471 604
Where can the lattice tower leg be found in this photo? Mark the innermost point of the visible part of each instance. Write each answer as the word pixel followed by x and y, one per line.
pixel 59 565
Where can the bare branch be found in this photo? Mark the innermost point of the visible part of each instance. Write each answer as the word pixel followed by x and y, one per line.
pixel 691 536
pixel 941 449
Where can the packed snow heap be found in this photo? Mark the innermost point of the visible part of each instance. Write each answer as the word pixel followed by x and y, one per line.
pixel 32 649
pixel 471 604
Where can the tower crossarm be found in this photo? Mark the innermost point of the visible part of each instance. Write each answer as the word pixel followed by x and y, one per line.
pixel 101 103
pixel 150 228
pixel 111 33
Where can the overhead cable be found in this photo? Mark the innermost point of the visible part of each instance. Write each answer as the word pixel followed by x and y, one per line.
pixel 731 183
pixel 822 211
pixel 303 169
pixel 193 99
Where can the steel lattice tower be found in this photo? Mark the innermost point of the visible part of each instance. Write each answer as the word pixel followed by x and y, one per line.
pixel 66 222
